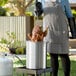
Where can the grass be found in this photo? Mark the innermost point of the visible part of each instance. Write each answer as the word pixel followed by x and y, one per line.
pixel 73 69
pixel 60 71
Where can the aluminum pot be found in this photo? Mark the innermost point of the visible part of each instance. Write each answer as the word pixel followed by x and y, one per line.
pixel 35 55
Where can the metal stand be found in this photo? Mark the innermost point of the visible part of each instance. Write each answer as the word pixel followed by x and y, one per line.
pixel 32 72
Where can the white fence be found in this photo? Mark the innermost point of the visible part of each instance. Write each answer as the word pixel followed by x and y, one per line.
pixel 18 25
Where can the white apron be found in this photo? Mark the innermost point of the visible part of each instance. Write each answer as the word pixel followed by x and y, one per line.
pixel 57 37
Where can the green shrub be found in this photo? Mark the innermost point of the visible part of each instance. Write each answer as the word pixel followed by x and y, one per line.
pixel 2 11
pixel 20 50
pixel 74 12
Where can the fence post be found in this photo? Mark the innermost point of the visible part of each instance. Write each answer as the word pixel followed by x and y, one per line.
pixel 29 25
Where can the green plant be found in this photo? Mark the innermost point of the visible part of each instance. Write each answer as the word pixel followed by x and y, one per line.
pixel 12 41
pixel 3 45
pixel 3 2
pixel 20 50
pixel 3 41
pixel 74 12
pixel 2 11
pixel 3 48
pixel 14 44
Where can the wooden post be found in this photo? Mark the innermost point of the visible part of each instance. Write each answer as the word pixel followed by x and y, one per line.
pixel 29 25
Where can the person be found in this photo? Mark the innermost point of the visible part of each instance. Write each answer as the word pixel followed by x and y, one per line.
pixel 71 19
pixel 66 7
pixel 57 36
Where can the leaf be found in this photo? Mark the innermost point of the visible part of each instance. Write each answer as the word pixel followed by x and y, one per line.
pixel 3 2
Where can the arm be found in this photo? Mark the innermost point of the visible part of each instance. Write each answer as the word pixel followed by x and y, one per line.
pixel 66 7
